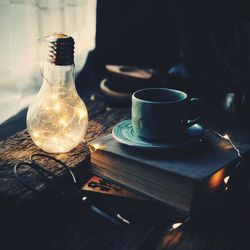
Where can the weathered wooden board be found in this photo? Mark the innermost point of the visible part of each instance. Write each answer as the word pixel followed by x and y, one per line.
pixel 20 147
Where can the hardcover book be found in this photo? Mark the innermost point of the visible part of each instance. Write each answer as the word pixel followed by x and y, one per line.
pixel 108 195
pixel 178 178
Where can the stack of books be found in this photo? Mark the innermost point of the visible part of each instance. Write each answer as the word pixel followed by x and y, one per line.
pixel 180 179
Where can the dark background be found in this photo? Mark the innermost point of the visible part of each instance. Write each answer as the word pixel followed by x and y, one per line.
pixel 201 47
pixel 209 39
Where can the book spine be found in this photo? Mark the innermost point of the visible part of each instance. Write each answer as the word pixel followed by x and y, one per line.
pixel 173 212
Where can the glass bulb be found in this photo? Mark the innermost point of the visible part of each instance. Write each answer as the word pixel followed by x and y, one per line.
pixel 57 119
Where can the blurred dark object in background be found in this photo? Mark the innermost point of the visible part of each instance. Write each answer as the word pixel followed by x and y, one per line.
pixel 214 45
pixel 121 82
pixel 200 47
pixel 214 40
pixel 136 32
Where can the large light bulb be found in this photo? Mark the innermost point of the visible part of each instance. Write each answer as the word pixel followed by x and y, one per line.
pixel 57 119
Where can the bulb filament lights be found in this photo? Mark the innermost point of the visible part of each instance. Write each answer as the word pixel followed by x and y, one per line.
pixel 57 118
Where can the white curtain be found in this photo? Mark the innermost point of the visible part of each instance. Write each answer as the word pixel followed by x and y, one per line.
pixel 22 23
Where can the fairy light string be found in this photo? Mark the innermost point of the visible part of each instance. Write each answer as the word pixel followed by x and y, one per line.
pixel 226 137
pixel 57 118
pixel 58 123
pixel 178 225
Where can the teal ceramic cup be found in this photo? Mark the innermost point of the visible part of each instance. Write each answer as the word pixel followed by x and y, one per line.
pixel 162 113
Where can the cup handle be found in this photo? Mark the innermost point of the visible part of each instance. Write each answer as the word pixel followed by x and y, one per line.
pixel 198 118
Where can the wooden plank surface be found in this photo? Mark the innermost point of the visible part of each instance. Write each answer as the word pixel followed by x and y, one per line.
pixel 48 222
pixel 20 147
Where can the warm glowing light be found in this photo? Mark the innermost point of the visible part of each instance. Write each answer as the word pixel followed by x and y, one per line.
pixel 38 143
pixel 53 97
pixel 92 97
pixel 230 141
pixel 67 134
pixel 46 107
pixel 36 134
pixel 63 122
pixel 61 130
pixel 57 119
pixel 61 149
pixel 96 146
pixel 226 179
pixel 60 124
pixel 216 179
pixel 54 139
pixel 82 113
pixel 176 225
pixel 57 107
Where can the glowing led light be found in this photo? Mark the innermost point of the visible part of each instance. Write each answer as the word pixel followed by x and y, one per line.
pixel 54 139
pixel 226 179
pixel 57 107
pixel 176 225
pixel 35 134
pixel 53 97
pixel 96 146
pixel 92 97
pixel 61 149
pixel 38 143
pixel 58 113
pixel 226 137
pixel 63 122
pixel 123 219
pixel 82 113
pixel 67 134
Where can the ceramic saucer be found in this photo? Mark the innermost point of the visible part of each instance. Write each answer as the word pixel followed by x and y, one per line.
pixel 123 133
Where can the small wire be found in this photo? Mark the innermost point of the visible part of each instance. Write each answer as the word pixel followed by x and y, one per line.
pixel 116 219
pixel 227 138
pixel 179 225
pixel 122 218
pixel 21 179
pixel 32 160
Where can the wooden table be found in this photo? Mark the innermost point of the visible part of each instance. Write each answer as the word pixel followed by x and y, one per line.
pixel 43 221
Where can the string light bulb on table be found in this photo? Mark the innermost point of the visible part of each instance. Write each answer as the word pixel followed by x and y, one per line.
pixel 57 119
